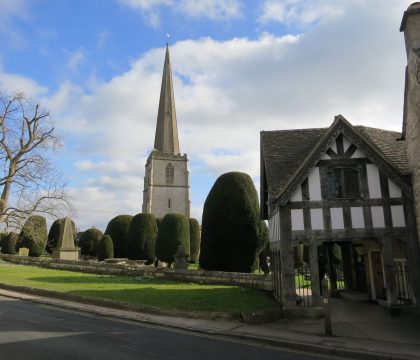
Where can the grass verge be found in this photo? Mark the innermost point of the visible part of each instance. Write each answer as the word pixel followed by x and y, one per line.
pixel 164 294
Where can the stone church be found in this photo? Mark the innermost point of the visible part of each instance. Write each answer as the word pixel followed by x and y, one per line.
pixel 166 180
pixel 349 196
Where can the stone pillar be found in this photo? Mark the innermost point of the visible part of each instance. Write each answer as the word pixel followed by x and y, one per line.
pixel 315 281
pixel 411 126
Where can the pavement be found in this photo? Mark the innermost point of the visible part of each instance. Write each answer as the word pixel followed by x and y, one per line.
pixel 360 330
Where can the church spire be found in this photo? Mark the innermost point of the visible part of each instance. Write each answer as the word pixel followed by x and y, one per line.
pixel 166 138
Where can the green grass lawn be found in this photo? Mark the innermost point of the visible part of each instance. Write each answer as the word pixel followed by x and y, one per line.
pixel 140 291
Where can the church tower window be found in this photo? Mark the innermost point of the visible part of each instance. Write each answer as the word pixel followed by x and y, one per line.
pixel 170 174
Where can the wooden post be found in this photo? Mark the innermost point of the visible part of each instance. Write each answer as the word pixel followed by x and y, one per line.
pixel 331 268
pixel 315 283
pixel 346 256
pixel 287 258
pixel 390 284
pixel 326 306
pixel 413 251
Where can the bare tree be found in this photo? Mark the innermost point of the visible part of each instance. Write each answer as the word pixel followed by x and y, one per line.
pixel 28 182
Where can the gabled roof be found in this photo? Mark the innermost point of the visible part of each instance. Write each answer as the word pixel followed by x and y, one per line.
pixel 289 155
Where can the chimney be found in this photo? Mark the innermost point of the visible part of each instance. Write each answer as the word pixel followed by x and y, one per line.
pixel 410 24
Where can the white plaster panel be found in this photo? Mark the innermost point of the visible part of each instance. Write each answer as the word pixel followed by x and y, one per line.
pixel 274 228
pixel 337 220
pixel 297 219
pixel 397 213
pixel 358 154
pixel 325 156
pixel 378 220
pixel 334 147
pixel 373 181
pixel 297 194
pixel 346 143
pixel 271 228
pixel 314 183
pixel 357 218
pixel 317 219
pixel 394 190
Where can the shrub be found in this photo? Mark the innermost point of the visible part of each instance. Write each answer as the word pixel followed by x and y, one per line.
pixel 33 235
pixel 105 248
pixel 173 234
pixel 54 234
pixel 88 241
pixel 230 234
pixel 8 245
pixel 194 240
pixel 3 236
pixel 141 238
pixel 118 228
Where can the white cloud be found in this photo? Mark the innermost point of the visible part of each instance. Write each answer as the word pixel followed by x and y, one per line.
pixel 10 10
pixel 145 4
pixel 301 13
pixel 212 9
pixel 13 83
pixel 102 38
pixel 76 58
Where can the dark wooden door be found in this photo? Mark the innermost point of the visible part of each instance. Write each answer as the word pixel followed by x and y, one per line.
pixel 378 274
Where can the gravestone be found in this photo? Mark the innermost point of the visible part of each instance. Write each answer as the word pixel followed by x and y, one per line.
pixel 23 251
pixel 65 248
pixel 180 260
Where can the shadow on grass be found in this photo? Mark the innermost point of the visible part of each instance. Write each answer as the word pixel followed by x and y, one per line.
pixel 230 300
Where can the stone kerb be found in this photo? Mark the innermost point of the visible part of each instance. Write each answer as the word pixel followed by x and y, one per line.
pixel 260 282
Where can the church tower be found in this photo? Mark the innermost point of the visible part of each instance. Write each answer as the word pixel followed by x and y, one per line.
pixel 166 180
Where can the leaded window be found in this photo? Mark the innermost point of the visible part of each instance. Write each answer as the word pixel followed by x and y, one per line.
pixel 343 183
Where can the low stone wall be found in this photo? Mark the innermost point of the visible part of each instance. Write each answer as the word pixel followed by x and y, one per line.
pixel 261 282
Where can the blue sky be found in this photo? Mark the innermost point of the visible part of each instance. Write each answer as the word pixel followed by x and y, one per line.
pixel 240 66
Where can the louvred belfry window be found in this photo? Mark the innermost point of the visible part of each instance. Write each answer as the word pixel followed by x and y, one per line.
pixel 170 174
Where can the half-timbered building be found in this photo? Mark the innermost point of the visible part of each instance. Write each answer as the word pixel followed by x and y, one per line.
pixel 344 195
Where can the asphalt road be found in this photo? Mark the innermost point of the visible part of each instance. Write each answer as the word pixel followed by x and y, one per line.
pixel 30 331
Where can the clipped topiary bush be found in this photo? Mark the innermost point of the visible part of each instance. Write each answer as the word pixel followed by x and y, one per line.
pixel 88 241
pixel 141 238
pixel 118 229
pixel 173 235
pixel 33 235
pixel 230 233
pixel 54 234
pixel 194 240
pixel 105 248
pixel 8 245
